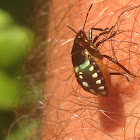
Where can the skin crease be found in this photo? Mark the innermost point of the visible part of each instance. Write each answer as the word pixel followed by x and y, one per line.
pixel 70 112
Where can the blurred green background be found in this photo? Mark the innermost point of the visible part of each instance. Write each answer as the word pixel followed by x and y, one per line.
pixel 16 40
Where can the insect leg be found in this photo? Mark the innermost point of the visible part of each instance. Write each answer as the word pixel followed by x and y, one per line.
pixel 105 39
pixel 116 62
pixel 104 31
pixel 99 29
pixel 123 74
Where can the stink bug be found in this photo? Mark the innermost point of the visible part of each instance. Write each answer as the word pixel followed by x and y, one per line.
pixel 90 71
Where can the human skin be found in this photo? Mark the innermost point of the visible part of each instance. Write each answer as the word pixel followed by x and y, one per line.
pixel 72 113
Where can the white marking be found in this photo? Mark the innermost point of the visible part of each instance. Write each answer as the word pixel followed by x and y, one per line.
pixel 86 52
pixel 92 91
pixel 76 69
pixel 98 82
pixel 85 84
pixel 95 75
pixel 80 76
pixel 85 64
pixel 86 40
pixel 80 72
pixel 104 92
pixel 101 88
pixel 91 68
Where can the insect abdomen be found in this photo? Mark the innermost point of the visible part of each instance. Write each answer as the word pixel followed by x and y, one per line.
pixel 93 76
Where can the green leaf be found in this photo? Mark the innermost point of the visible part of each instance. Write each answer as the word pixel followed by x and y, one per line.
pixel 9 92
pixel 5 19
pixel 15 43
pixel 26 131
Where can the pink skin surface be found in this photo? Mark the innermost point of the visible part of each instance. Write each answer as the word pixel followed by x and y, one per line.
pixel 72 113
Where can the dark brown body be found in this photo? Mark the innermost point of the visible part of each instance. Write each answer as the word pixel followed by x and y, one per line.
pixel 91 73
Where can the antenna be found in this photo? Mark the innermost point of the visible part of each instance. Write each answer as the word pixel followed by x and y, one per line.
pixel 71 29
pixel 87 16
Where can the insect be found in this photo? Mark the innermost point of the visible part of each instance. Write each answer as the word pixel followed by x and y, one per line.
pixel 90 71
